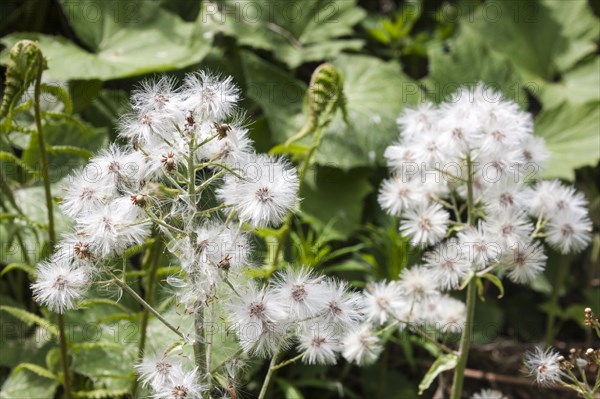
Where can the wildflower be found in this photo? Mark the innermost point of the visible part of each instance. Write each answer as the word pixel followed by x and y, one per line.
pixel 114 227
pixel 383 301
pixel 255 315
pixel 319 346
pixel 525 261
pixel 210 96
pixel 397 194
pixel 425 225
pixel 304 294
pixel 550 197
pixel 266 191
pixel 508 228
pixel 181 385
pixel 481 247
pixel 416 283
pixel 343 309
pixel 569 233
pixel 361 346
pixel 85 192
pixel 155 371
pixel 448 264
pixel 543 365
pixel 59 285
pixel 414 122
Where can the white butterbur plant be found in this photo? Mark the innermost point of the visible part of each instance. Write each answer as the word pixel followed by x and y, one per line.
pixel 187 183
pixel 465 186
pixel 548 367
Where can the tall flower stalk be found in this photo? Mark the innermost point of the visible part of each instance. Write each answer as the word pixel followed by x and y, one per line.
pixel 465 184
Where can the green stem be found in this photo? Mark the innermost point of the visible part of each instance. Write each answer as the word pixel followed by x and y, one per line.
pixel 146 305
pixel 561 275
pixel 465 340
pixel 64 354
pixel 152 264
pixel 270 372
pixel 198 345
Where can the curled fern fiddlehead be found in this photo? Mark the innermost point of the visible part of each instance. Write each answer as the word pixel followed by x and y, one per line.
pixel 25 62
pixel 325 97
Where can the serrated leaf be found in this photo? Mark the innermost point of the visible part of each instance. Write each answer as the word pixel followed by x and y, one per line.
pixel 39 370
pixel 441 364
pixel 30 318
pixel 101 393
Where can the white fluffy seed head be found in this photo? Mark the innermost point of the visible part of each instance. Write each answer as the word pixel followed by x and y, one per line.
pixel 59 284
pixel 263 193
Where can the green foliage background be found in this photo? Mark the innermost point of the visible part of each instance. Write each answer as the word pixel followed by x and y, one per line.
pixel 543 54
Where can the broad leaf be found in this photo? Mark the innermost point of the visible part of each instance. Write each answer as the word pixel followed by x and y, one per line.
pixel 125 38
pixel 335 199
pixel 466 60
pixel 295 31
pixel 541 38
pixel 571 134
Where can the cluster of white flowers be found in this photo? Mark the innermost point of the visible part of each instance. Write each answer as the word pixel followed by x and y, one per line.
pixel 127 189
pixel 478 147
pixel 188 171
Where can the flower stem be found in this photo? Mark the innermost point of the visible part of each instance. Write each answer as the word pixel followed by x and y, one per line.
pixel 465 340
pixel 64 354
pixel 152 264
pixel 270 372
pixel 147 306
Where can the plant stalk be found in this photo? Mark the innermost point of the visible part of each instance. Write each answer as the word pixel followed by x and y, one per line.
pixel 465 340
pixel 152 267
pixel 270 372
pixel 64 354
pixel 147 306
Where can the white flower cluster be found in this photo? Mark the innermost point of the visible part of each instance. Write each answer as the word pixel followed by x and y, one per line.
pixel 478 148
pixel 180 142
pixel 315 312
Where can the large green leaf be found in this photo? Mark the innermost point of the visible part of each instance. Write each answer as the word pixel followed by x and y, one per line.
pixel 335 199
pixel 278 94
pixel 578 86
pixel 541 38
pixel 125 38
pixel 296 31
pixel 376 92
pixel 572 136
pixel 466 60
